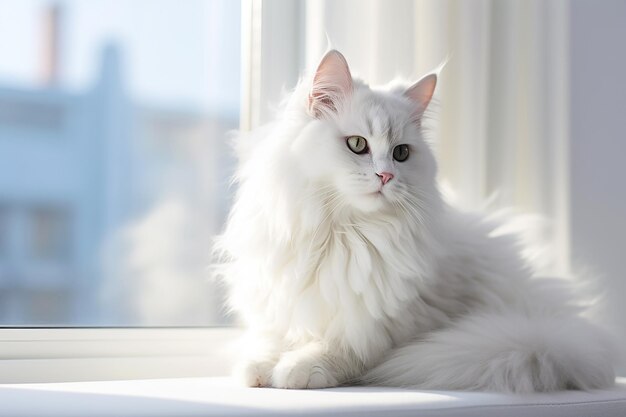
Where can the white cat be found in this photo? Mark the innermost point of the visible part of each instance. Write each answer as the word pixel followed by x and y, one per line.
pixel 347 266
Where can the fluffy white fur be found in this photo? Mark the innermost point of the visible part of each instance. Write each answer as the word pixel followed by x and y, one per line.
pixel 340 279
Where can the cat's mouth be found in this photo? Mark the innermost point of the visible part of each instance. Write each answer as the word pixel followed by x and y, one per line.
pixel 378 194
pixel 382 191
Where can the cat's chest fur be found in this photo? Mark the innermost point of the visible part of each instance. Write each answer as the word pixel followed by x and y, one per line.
pixel 352 278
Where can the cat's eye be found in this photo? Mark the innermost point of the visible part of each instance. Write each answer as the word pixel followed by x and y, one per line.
pixel 401 153
pixel 357 144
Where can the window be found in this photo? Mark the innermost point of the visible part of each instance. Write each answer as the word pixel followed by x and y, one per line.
pixel 111 223
pixel 27 115
pixel 49 235
pixel 4 233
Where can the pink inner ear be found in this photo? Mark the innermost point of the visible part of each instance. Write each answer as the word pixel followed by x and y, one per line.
pixel 332 83
pixel 422 92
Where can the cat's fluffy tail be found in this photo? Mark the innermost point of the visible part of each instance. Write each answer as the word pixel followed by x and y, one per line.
pixel 508 352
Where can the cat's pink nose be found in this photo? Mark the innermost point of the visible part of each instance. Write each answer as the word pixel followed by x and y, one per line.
pixel 385 177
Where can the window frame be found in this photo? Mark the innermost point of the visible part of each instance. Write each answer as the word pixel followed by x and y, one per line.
pixel 29 355
pixel 262 46
pixel 64 354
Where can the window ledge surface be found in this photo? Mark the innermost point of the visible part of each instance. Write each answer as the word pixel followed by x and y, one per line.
pixel 66 355
pixel 222 396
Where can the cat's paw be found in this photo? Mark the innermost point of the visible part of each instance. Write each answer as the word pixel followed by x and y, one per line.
pixel 255 373
pixel 301 373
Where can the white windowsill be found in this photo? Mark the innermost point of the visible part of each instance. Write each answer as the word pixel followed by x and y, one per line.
pixel 177 372
pixel 222 396
pixel 61 355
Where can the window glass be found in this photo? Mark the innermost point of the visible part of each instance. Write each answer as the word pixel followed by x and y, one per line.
pixel 114 163
pixel 4 233
pixel 49 235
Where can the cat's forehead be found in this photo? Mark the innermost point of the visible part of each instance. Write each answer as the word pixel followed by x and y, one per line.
pixel 377 116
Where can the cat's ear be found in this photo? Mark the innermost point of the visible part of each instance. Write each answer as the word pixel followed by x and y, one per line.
pixel 421 93
pixel 332 83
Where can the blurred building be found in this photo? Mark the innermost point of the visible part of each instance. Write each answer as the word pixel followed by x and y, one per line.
pixel 76 170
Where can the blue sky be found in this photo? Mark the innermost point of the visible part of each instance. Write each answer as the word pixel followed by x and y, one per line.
pixel 176 53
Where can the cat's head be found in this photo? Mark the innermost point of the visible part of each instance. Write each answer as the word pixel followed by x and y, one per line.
pixel 365 143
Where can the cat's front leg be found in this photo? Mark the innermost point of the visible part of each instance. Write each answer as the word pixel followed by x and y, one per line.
pixel 315 365
pixel 260 355
pixel 255 372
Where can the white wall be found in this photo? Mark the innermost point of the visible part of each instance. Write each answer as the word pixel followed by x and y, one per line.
pixel 598 145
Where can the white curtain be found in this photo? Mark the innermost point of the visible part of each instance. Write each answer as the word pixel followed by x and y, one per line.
pixel 501 125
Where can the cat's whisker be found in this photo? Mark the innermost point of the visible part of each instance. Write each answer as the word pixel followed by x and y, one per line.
pixel 318 192
pixel 409 209
pixel 409 199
